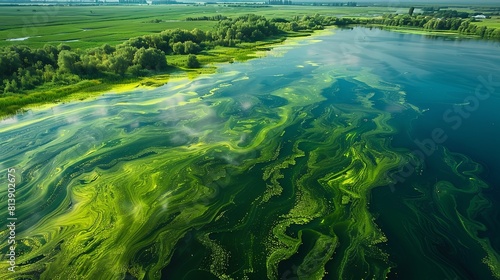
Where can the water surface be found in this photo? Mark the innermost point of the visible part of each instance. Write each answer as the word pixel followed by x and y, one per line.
pixel 352 154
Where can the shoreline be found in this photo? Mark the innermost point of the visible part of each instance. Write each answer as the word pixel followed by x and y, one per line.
pixel 422 31
pixel 211 60
pixel 94 88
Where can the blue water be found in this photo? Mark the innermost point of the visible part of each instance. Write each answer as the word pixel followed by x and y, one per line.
pixel 320 114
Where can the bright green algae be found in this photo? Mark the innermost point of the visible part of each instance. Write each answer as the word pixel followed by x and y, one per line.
pixel 270 183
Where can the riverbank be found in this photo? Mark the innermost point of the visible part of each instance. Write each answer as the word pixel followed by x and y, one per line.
pixel 422 31
pixel 15 103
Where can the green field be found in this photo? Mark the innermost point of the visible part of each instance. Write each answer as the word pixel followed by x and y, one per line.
pixel 490 22
pixel 90 26
pixel 85 27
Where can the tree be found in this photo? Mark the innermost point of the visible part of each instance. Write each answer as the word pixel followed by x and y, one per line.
pixel 495 34
pixel 180 35
pixel 151 59
pixel 199 35
pixel 28 81
pixel 11 87
pixel 464 26
pixel 107 49
pixel 88 65
pixel 65 78
pixel 118 64
pixel 128 52
pixel 48 73
pixel 51 52
pixel 410 12
pixel 63 47
pixel 191 48
pixel 66 61
pixel 9 62
pixel 481 31
pixel 455 23
pixel 178 48
pixel 138 43
pixel 230 34
pixel 192 61
pixel 157 42
pixel 135 70
pixel 257 35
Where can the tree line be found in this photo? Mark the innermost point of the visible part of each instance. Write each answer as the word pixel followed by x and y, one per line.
pixel 435 22
pixel 446 13
pixel 315 22
pixel 211 18
pixel 23 68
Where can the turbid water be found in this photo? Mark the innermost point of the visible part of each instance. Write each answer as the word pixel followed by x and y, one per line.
pixel 355 154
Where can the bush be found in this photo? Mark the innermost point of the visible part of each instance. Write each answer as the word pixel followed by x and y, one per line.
pixel 192 61
pixel 151 59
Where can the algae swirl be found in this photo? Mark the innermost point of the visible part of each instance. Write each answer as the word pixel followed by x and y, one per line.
pixel 231 176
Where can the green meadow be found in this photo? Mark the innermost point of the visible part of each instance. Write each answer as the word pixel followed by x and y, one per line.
pixel 85 27
pixel 489 22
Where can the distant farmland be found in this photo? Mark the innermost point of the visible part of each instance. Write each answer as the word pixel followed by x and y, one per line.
pixel 91 26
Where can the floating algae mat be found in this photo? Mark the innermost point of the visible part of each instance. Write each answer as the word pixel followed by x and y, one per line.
pixel 362 154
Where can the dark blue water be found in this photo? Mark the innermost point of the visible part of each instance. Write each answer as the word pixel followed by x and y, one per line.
pixel 354 154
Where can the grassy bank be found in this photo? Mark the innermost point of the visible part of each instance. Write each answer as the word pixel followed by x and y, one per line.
pixel 421 31
pixel 16 103
pixel 32 75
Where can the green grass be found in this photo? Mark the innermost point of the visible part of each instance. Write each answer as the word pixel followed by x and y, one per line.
pixel 11 103
pixel 79 28
pixel 14 102
pixel 493 22
pixel 421 31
